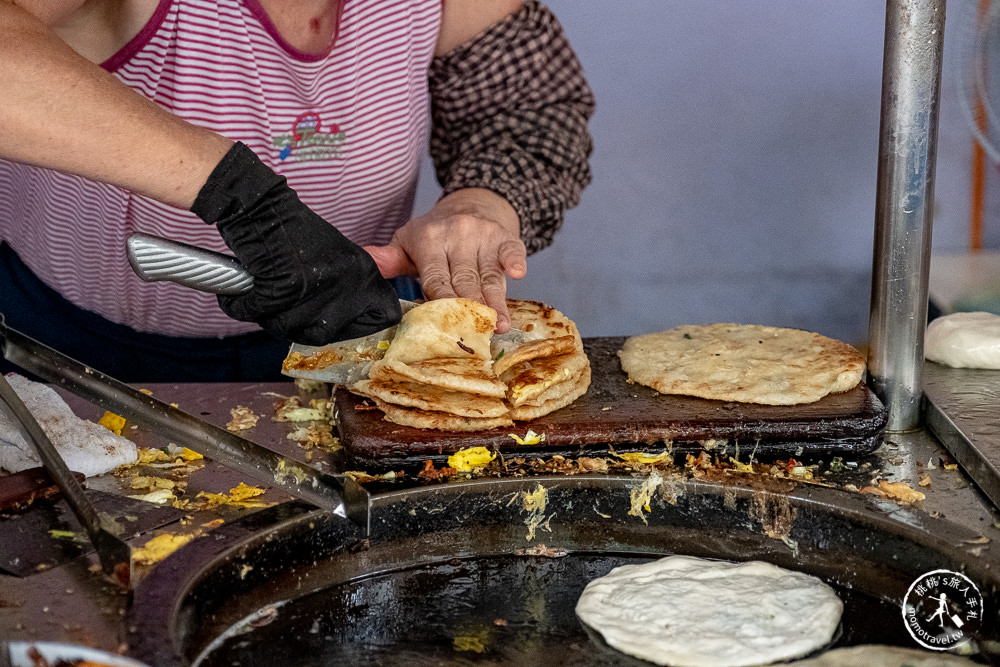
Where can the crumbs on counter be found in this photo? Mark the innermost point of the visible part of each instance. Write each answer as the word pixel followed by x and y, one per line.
pixel 313 423
pixel 530 438
pixel 242 495
pixel 362 477
pixel 534 503
pixel 292 409
pixel 474 642
pixel 315 435
pixel 543 551
pixel 159 548
pixel 243 418
pixel 432 474
pixel 640 497
pixel 159 474
pixel 646 458
pixel 307 385
pixel 63 534
pixel 169 456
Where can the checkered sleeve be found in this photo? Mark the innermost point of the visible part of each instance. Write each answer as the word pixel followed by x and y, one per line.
pixel 509 114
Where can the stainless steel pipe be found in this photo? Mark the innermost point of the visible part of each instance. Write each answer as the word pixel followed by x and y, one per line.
pixel 911 93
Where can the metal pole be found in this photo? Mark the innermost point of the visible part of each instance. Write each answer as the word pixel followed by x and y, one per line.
pixel 911 86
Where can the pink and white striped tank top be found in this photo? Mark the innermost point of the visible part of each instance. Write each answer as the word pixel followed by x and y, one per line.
pixel 347 128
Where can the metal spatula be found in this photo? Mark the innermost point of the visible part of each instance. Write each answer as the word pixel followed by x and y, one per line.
pixel 339 494
pixel 114 554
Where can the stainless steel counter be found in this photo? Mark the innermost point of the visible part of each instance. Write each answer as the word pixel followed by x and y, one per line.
pixel 962 408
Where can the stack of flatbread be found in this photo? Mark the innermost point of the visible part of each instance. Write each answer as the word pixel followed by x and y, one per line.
pixel 743 362
pixel 446 370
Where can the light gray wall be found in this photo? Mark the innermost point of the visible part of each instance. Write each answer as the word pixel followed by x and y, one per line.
pixel 734 167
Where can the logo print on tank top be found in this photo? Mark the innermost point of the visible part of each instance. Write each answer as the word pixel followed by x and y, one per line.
pixel 309 140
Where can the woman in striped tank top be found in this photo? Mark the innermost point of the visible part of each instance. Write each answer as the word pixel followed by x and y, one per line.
pixel 294 130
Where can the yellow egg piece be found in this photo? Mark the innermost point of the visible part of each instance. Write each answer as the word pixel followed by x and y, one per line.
pixel 470 458
pixel 112 422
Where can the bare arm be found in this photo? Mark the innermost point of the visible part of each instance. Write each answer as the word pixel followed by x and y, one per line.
pixel 61 111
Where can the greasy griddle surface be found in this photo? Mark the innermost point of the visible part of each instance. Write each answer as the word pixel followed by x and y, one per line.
pixel 630 417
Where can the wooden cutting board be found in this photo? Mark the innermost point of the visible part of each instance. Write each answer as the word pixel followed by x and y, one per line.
pixel 631 417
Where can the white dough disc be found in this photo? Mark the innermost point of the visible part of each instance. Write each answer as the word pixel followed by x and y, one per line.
pixel 692 612
pixel 964 340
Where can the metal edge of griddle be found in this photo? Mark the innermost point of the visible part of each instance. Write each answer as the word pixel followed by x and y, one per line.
pixel 941 417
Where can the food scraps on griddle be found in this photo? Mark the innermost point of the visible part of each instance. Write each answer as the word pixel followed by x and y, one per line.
pixel 159 547
pixel 243 419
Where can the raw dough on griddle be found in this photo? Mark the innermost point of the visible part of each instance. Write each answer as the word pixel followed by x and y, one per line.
pixel 964 340
pixel 693 612
pixel 748 363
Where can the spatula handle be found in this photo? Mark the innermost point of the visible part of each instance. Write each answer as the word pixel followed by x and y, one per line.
pixel 154 259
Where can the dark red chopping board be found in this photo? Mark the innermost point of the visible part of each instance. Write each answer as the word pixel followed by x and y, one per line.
pixel 631 417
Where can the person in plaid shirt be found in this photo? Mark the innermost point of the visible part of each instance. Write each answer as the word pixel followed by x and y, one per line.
pixel 508 107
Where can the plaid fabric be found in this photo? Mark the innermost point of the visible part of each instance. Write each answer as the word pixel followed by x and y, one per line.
pixel 510 112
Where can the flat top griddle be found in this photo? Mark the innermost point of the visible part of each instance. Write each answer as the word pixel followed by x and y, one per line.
pixel 630 417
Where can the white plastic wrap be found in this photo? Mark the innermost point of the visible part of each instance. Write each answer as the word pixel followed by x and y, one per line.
pixel 86 447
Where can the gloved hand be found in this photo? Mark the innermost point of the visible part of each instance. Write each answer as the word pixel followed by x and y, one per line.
pixel 311 284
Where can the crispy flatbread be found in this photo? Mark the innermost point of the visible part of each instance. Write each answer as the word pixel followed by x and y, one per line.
pixel 555 397
pixel 544 347
pixel 535 321
pixel 745 363
pixel 444 370
pixel 444 328
pixel 527 380
pixel 429 397
pixel 469 375
pixel 540 320
pixel 441 421
pixel 558 389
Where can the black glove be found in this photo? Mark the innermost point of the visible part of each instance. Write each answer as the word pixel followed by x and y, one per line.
pixel 311 284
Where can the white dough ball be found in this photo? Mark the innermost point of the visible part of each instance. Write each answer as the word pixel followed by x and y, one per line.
pixel 964 340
